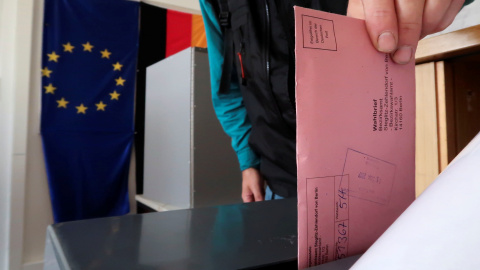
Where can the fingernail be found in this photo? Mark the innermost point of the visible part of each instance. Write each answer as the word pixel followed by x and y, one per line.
pixel 403 55
pixel 386 42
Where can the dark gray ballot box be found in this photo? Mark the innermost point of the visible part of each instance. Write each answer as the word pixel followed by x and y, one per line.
pixel 243 236
pixel 237 236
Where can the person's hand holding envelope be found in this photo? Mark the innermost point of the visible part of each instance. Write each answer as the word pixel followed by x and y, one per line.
pixel 395 26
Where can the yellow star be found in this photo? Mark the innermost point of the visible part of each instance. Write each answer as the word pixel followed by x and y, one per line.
pixel 53 57
pixel 62 103
pixel 50 89
pixel 101 106
pixel 81 109
pixel 46 72
pixel 68 47
pixel 120 81
pixel 114 95
pixel 117 66
pixel 105 54
pixel 87 47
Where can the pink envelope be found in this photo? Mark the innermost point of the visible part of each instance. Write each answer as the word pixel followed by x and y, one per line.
pixel 355 137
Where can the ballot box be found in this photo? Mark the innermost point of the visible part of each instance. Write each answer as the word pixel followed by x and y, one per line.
pixel 260 235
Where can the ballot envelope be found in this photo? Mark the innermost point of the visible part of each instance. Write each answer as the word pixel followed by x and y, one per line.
pixel 355 137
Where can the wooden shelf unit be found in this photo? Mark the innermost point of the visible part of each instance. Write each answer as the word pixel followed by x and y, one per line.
pixel 448 100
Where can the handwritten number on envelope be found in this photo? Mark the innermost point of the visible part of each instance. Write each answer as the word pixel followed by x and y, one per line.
pixel 342 231
pixel 342 195
pixel 340 254
pixel 342 226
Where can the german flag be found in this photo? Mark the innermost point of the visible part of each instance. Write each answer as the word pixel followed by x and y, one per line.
pixel 184 30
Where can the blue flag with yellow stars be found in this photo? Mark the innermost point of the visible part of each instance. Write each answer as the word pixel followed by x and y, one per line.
pixel 88 82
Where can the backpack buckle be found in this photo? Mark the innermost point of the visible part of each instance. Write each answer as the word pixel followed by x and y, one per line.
pixel 224 19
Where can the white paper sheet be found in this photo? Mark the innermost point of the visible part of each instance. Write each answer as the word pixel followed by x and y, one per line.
pixel 441 229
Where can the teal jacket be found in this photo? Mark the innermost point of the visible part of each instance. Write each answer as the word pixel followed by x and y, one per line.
pixel 228 106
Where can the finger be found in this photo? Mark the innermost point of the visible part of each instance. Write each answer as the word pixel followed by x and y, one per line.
pixel 381 22
pixel 247 194
pixel 409 16
pixel 450 15
pixel 248 198
pixel 259 194
pixel 433 14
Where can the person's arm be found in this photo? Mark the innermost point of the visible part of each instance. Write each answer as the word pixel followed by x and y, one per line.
pixel 396 26
pixel 230 110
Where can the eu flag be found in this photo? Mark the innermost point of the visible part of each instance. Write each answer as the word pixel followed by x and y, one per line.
pixel 88 80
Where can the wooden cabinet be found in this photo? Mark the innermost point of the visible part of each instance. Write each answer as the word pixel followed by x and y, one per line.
pixel 448 100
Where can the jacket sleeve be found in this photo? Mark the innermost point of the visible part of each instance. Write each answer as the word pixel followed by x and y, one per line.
pixel 228 107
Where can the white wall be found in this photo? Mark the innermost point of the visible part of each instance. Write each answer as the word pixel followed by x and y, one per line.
pixel 38 213
pixel 6 131
pixel 16 56
pixel 468 16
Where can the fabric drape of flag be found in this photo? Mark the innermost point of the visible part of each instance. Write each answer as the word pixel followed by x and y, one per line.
pixel 88 83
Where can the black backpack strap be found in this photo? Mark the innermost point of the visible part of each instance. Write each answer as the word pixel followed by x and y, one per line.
pixel 224 14
pixel 224 17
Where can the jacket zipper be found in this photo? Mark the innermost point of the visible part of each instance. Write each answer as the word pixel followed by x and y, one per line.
pixel 267 42
pixel 267 61
pixel 240 55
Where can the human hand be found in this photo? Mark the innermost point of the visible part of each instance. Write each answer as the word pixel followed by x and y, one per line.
pixel 396 26
pixel 253 186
